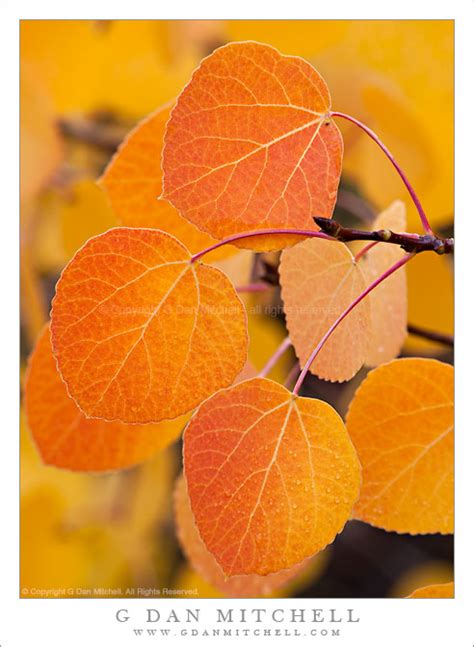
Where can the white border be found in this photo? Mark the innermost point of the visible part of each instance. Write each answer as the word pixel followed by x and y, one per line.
pixel 383 622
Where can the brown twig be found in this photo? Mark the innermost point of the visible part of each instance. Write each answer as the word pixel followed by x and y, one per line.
pixel 411 243
pixel 441 338
pixel 269 273
pixel 105 137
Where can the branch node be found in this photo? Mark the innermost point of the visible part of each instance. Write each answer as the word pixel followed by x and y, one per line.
pixel 329 226
pixel 385 234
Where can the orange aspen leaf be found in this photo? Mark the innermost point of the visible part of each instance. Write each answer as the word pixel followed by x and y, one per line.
pixel 319 280
pixel 434 591
pixel 249 145
pixel 272 478
pixel 388 302
pixel 204 563
pixel 401 423
pixel 66 438
pixel 133 182
pixel 140 333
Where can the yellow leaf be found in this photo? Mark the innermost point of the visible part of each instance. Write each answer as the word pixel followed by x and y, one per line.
pixel 401 423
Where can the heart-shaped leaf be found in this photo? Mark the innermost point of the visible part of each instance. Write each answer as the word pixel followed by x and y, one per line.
pixel 272 478
pixel 401 423
pixel 250 145
pixel 319 280
pixel 140 333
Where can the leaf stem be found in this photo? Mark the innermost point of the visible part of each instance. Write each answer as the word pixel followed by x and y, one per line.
pixel 309 233
pixel 344 314
pixel 407 183
pixel 285 344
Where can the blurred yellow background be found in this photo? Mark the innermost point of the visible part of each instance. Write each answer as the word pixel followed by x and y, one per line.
pixel 84 84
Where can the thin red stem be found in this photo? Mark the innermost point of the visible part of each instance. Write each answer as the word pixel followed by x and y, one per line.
pixel 253 287
pixel 342 316
pixel 285 344
pixel 261 232
pixel 365 249
pixel 411 190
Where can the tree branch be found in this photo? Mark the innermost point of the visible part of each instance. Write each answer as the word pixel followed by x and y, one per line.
pixel 101 136
pixel 411 243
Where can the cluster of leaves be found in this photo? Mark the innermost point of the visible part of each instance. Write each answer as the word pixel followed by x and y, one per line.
pixel 143 332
